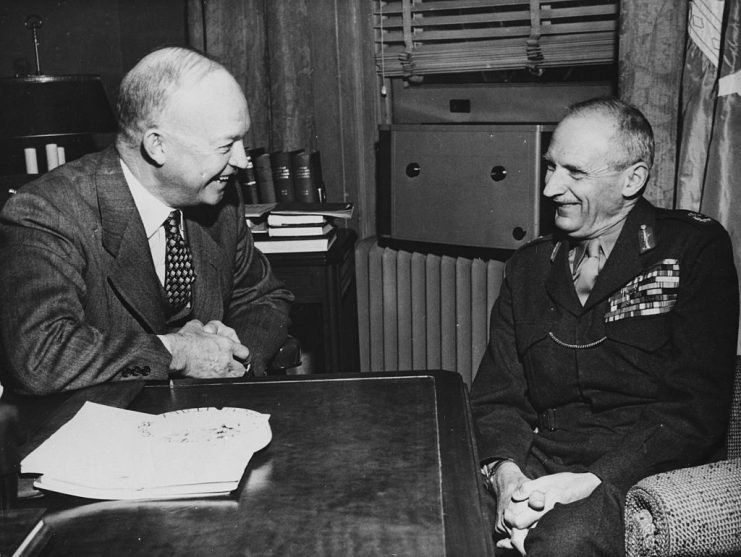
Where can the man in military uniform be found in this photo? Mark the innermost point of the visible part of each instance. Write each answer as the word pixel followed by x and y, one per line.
pixel 612 345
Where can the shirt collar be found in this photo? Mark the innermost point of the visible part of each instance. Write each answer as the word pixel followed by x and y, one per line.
pixel 607 240
pixel 609 237
pixel 151 210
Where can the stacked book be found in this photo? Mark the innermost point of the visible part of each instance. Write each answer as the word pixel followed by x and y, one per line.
pixel 282 176
pixel 292 227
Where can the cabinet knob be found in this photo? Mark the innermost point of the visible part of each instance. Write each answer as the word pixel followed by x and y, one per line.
pixel 518 233
pixel 498 173
pixel 413 169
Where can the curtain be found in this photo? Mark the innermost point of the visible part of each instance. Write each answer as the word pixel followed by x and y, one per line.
pixel 709 159
pixel 650 60
pixel 268 52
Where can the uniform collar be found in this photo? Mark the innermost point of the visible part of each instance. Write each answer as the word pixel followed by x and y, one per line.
pixel 627 257
pixel 624 261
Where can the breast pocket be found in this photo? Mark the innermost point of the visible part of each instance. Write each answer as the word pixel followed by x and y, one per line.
pixel 647 333
pixel 639 313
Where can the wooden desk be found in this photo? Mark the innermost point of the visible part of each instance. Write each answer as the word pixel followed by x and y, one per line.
pixel 325 313
pixel 362 464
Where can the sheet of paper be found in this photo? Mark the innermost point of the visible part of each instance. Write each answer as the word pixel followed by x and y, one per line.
pixel 110 453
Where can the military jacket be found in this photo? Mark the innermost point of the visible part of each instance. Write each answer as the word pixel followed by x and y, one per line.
pixel 634 382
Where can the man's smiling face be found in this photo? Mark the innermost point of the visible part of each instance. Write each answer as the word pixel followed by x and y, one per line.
pixel 201 138
pixel 583 180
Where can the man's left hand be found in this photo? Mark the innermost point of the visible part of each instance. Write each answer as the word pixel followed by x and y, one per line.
pixel 516 540
pixel 532 499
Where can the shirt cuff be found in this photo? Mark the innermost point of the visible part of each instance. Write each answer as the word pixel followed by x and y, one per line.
pixel 165 342
pixel 490 468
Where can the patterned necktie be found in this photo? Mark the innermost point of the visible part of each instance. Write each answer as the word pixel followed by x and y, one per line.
pixel 589 267
pixel 178 264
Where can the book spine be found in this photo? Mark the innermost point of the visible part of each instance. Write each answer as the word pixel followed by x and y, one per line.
pixel 248 183
pixel 264 177
pixel 315 163
pixel 303 178
pixel 282 176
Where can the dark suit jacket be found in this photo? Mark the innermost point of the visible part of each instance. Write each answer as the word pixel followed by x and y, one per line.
pixel 636 381
pixel 79 295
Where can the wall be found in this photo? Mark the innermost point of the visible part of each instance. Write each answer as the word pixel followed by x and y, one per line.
pixel 99 37
pixel 103 37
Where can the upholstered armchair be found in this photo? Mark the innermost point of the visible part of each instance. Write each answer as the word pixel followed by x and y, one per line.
pixel 692 511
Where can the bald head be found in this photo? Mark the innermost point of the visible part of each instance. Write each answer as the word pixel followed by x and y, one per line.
pixel 182 120
pixel 632 139
pixel 147 89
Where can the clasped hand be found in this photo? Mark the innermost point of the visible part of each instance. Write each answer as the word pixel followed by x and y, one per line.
pixel 522 502
pixel 210 350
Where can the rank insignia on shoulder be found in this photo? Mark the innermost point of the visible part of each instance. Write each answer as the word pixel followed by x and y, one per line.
pixel 699 217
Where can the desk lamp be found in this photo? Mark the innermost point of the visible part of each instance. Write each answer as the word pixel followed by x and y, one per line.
pixel 41 107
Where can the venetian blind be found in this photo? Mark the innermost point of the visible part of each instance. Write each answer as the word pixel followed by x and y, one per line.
pixel 417 37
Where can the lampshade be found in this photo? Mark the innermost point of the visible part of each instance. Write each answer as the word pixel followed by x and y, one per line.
pixel 44 105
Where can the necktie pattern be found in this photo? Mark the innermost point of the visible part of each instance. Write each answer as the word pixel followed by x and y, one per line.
pixel 179 272
pixel 589 267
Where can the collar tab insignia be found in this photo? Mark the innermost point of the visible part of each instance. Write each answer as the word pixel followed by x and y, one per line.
pixel 554 253
pixel 646 240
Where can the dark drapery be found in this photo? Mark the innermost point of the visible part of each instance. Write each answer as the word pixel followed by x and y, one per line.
pixel 650 62
pixel 268 51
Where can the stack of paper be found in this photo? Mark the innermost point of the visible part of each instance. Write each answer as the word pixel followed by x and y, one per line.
pixel 110 453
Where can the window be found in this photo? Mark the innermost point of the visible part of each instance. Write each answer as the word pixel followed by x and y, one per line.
pixel 421 37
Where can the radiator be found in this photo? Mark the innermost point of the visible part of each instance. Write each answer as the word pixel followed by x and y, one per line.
pixel 421 311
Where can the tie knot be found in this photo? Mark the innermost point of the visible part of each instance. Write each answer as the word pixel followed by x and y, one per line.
pixel 585 274
pixel 172 222
pixel 592 248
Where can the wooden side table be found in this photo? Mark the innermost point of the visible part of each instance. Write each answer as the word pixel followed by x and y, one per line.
pixel 325 312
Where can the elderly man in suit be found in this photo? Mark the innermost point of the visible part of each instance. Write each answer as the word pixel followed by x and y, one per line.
pixel 136 262
pixel 612 346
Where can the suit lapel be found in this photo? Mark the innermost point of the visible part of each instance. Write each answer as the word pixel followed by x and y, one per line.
pixel 131 273
pixel 207 255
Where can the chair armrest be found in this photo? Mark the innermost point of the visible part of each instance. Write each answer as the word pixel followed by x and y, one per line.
pixel 691 511
pixel 288 356
pixel 11 438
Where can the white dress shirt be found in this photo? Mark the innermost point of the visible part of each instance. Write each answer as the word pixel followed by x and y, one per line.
pixel 153 214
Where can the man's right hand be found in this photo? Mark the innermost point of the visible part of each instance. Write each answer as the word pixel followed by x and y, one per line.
pixel 507 479
pixel 211 350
